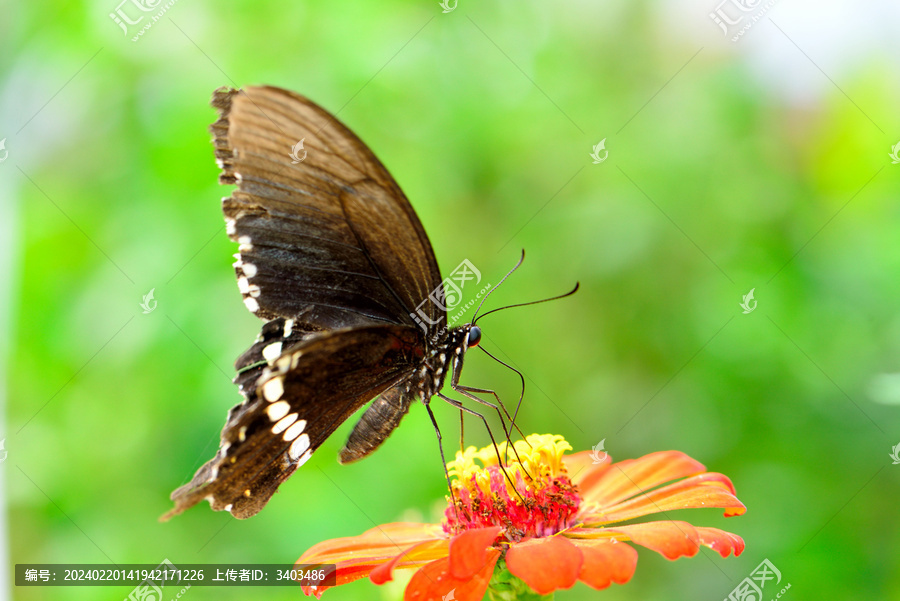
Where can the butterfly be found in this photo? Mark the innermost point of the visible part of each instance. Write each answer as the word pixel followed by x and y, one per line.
pixel 334 259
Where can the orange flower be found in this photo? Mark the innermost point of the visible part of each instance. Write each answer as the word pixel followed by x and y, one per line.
pixel 544 519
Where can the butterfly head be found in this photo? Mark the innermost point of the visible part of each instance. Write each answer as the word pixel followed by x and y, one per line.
pixel 464 337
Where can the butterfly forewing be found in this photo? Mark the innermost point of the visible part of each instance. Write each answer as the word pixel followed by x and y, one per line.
pixel 332 231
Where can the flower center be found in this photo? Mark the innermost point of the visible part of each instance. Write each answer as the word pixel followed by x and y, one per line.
pixel 529 495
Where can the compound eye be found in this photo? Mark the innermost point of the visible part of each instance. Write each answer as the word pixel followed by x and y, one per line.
pixel 474 336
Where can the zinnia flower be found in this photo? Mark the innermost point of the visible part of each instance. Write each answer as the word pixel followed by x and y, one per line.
pixel 542 521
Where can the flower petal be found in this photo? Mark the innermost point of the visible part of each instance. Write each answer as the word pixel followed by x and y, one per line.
pixel 671 539
pixel 386 539
pixel 468 551
pixel 545 564
pixel 724 543
pixel 605 562
pixel 582 464
pixel 434 581
pixel 703 490
pixel 609 484
pixel 416 555
pixel 356 556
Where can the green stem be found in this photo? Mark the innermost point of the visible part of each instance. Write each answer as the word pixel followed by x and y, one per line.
pixel 506 587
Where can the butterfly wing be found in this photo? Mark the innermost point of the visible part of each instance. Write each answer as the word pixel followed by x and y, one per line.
pixel 334 257
pixel 332 235
pixel 379 420
pixel 292 406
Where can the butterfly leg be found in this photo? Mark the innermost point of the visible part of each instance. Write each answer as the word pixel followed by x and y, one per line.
pixel 467 391
pixel 518 373
pixel 462 438
pixel 462 408
pixel 437 431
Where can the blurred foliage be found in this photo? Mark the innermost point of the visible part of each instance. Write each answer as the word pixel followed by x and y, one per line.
pixel 716 183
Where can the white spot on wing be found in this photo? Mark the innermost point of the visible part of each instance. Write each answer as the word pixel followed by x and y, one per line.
pixel 273 389
pixel 298 447
pixel 229 226
pixel 276 411
pixel 272 352
pixel 304 458
pixel 283 424
pixel 294 431
pixel 251 304
pixel 288 327
pixel 249 269
pixel 243 285
pixel 253 289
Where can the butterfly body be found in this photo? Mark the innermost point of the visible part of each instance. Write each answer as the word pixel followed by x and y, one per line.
pixel 426 381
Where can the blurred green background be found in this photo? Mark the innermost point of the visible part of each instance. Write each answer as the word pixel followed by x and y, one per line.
pixel 758 164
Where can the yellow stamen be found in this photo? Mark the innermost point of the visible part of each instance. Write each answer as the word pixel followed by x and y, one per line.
pixel 537 459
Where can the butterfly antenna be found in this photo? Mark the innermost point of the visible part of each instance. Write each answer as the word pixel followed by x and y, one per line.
pixel 503 279
pixel 537 302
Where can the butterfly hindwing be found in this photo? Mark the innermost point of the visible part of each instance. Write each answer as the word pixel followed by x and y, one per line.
pixel 296 403
pixel 379 420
